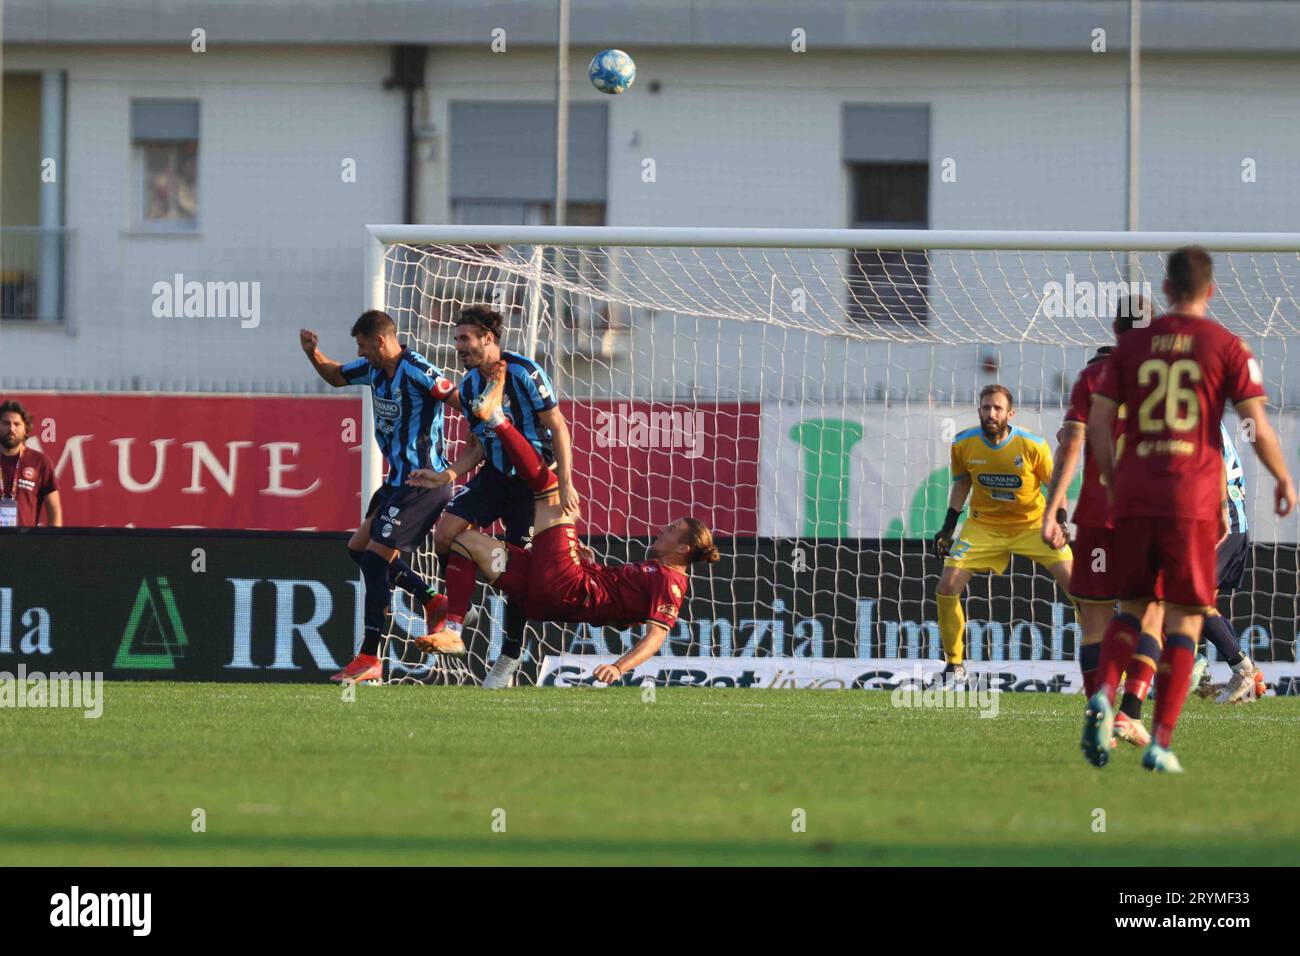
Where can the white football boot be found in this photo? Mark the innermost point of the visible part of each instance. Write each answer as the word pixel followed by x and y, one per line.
pixel 503 669
pixel 1241 686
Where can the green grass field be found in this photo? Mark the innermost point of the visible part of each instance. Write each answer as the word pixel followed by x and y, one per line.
pixel 413 775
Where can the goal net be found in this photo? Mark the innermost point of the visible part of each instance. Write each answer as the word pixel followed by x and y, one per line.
pixel 799 390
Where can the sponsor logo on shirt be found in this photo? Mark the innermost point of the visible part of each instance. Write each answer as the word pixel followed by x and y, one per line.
pixel 667 610
pixel 1001 481
pixel 387 408
pixel 542 390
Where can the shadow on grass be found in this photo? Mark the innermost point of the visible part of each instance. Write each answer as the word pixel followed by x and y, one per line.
pixel 151 848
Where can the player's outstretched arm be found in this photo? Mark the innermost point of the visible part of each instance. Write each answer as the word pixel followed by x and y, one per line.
pixel 1068 454
pixel 644 649
pixel 1269 451
pixel 327 369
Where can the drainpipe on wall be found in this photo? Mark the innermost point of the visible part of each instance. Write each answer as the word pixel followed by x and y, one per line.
pixel 49 272
pixel 408 76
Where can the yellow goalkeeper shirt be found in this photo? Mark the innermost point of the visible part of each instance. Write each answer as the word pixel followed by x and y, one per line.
pixel 1007 479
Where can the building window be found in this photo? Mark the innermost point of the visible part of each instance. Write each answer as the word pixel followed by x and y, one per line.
pixel 886 149
pixel 171 182
pixel 165 136
pixel 889 285
pixel 487 212
pixel 586 266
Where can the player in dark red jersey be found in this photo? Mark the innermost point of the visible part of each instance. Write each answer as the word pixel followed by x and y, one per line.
pixel 1168 494
pixel 559 579
pixel 1092 585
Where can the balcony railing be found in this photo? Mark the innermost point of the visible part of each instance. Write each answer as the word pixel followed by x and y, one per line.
pixel 33 274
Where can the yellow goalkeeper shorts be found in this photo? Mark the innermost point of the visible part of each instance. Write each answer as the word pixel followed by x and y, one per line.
pixel 982 548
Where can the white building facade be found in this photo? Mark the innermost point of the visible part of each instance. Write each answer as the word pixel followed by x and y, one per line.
pixel 998 115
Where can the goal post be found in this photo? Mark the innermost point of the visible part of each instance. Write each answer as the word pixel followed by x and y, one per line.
pixel 798 390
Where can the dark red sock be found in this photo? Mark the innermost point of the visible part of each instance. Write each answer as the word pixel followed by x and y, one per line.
pixel 1173 678
pixel 525 458
pixel 1116 649
pixel 1141 668
pixel 460 577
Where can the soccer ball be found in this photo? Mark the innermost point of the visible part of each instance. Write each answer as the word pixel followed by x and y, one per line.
pixel 611 71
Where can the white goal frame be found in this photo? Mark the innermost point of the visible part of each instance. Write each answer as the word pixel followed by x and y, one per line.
pixel 980 292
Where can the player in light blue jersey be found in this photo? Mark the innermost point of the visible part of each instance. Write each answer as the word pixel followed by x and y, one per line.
pixel 409 395
pixel 1246 683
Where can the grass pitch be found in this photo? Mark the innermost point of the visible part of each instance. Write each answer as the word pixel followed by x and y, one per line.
pixel 416 775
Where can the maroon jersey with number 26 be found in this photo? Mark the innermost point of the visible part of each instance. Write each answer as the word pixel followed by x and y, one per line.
pixel 1175 377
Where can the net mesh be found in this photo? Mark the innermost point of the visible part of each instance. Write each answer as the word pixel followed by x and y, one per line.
pixel 802 401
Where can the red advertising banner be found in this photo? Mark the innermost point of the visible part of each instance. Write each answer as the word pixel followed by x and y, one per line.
pixel 259 462
pixel 284 463
pixel 640 465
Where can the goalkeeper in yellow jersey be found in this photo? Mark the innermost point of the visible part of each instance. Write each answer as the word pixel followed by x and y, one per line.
pixel 1003 470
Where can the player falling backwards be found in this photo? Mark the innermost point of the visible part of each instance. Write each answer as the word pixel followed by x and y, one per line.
pixel 1002 468
pixel 496 492
pixel 1092 584
pixel 558 579
pixel 409 394
pixel 1167 494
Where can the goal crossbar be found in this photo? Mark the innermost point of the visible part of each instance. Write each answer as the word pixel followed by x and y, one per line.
pixel 1094 241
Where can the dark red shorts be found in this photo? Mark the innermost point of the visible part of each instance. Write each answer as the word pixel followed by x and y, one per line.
pixel 1092 576
pixel 1169 559
pixel 549 580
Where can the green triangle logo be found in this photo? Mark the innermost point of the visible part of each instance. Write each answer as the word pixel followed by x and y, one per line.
pixel 155 636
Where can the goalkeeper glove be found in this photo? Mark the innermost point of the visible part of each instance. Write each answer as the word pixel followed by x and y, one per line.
pixel 943 540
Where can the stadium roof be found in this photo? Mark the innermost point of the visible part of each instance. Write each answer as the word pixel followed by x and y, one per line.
pixel 1224 26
